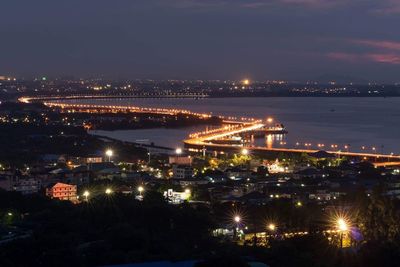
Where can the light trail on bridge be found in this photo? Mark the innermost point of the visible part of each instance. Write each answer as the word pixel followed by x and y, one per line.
pixel 203 139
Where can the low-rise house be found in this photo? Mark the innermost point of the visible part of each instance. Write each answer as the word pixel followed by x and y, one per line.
pixel 254 197
pixel 26 185
pixel 188 182
pixel 5 182
pixel 62 191
pixel 182 172
pixel 324 195
pixel 103 170
pixel 237 173
pixel 308 173
pixel 76 161
pixel 180 160
pixel 216 179
pixel 14 181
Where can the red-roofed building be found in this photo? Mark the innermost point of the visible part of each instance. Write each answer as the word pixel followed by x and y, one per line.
pixel 62 191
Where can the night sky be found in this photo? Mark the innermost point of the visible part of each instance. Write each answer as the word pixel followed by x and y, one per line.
pixel 202 39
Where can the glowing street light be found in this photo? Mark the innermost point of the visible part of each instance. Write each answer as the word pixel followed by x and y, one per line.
pixel 246 82
pixel 237 219
pixel 245 151
pixel 109 191
pixel 271 227
pixel 342 226
pixel 86 194
pixel 140 190
pixel 109 154
pixel 270 120
pixel 178 151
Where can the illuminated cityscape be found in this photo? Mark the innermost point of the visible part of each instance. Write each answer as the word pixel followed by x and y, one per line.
pixel 188 133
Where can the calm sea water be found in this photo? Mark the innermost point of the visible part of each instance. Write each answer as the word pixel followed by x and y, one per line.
pixel 369 122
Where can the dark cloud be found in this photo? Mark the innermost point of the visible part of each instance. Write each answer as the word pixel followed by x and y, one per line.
pixel 262 39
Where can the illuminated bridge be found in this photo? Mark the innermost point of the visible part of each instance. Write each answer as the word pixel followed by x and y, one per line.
pixel 205 142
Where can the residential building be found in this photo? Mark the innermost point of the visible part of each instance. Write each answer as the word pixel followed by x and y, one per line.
pixel 62 191
pixel 182 172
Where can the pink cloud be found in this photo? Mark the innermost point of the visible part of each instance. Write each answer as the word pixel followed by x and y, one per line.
pixel 393 59
pixel 388 7
pixel 389 45
pixel 384 58
pixel 315 3
pixel 258 3
pixel 344 56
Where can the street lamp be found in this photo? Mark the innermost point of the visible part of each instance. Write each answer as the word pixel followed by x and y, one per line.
pixel 245 151
pixel 271 227
pixel 86 195
pixel 237 219
pixel 178 151
pixel 109 154
pixel 140 189
pixel 343 227
pixel 108 191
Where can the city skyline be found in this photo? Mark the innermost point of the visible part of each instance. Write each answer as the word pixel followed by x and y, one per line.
pixel 296 40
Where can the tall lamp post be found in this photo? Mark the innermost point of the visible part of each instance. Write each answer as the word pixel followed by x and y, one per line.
pixel 178 151
pixel 140 190
pixel 237 220
pixel 343 227
pixel 86 195
pixel 271 228
pixel 109 154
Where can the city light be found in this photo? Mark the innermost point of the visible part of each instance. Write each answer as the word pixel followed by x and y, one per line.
pixel 108 191
pixel 178 151
pixel 271 227
pixel 270 120
pixel 109 154
pixel 86 194
pixel 237 219
pixel 140 189
pixel 342 225
pixel 245 151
